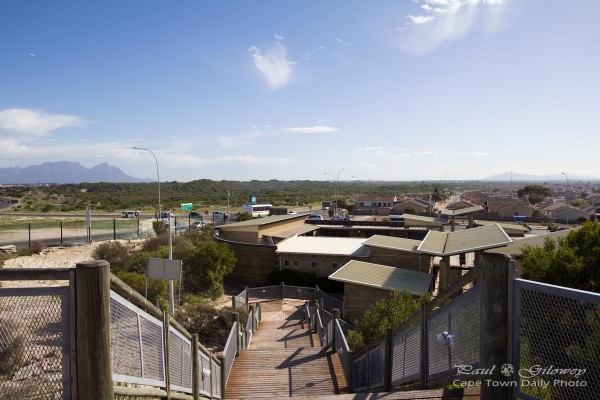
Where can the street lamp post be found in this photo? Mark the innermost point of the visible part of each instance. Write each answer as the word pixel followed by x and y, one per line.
pixel 337 179
pixel 157 177
pixel 171 291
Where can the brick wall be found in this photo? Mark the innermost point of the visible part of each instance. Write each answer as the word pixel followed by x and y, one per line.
pixel 400 259
pixel 254 262
pixel 358 299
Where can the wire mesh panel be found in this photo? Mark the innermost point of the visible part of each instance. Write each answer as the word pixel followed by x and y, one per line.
pixel 406 355
pixel 264 293
pixel 330 332
pixel 136 338
pixel 376 361
pixel 240 300
pixel 230 350
pixel 556 342
pixel 454 334
pixel 343 350
pixel 337 304
pixel 216 379
pixel 359 373
pixel 180 361
pixel 34 343
pixel 297 292
pixel 205 376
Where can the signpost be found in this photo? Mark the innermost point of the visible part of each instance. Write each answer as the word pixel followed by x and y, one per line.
pixel 170 270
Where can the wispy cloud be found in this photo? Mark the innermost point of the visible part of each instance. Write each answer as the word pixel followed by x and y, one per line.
pixel 248 139
pixel 341 41
pixel 274 65
pixel 399 154
pixel 420 19
pixel 311 129
pixel 33 123
pixel 279 37
pixel 445 20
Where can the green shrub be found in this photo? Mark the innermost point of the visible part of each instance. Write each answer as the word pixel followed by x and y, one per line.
pixel 158 289
pixel 113 252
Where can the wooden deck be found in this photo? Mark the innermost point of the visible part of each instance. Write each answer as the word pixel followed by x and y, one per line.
pixel 284 359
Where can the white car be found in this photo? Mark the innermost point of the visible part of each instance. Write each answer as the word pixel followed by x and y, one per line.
pixel 314 217
pixel 197 225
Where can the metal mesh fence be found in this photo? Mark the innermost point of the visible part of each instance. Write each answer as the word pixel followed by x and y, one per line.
pixel 205 377
pixel 297 292
pixel 454 334
pixel 230 350
pixel 359 373
pixel 240 300
pixel 72 231
pixel 216 379
pixel 136 344
pixel 34 343
pixel 406 355
pixel 180 361
pixel 376 361
pixel 556 342
pixel 343 350
pixel 264 293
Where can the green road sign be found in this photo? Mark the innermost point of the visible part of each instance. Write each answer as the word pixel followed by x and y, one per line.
pixel 186 206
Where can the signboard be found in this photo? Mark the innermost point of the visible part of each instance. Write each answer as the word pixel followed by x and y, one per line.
pixel 163 269
pixel 206 212
pixel 186 206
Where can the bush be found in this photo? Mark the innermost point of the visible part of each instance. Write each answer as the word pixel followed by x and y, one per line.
pixel 205 268
pixel 113 252
pixel 212 325
pixel 38 247
pixel 158 289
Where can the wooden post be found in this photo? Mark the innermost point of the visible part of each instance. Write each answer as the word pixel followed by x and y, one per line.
pixel 336 316
pixel 233 304
pixel 452 224
pixel 166 322
pixel 236 319
pixel 223 376
pixel 387 360
pixel 444 273
pixel 424 352
pixel 247 299
pixel 94 369
pixel 196 369
pixel 494 350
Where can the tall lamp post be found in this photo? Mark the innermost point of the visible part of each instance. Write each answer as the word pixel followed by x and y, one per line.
pixel 337 179
pixel 157 177
pixel 171 291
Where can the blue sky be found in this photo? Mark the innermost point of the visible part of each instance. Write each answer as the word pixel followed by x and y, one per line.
pixel 241 90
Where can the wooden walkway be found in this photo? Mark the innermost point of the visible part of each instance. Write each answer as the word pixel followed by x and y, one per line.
pixel 284 359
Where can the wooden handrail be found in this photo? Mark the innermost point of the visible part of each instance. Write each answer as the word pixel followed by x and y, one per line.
pixel 34 274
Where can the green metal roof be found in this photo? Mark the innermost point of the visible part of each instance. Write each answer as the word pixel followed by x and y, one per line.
pixel 514 249
pixel 383 277
pixel 461 211
pixel 452 243
pixel 390 242
pixel 261 221
pixel 419 220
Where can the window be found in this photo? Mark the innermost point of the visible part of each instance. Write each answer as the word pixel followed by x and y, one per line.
pixel 296 263
pixel 313 264
pixel 334 266
pixel 286 263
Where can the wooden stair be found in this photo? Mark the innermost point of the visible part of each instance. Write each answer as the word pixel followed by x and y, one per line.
pixel 284 359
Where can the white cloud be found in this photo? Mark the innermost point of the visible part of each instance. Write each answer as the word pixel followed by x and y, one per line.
pixel 341 41
pixel 279 37
pixel 312 129
pixel 274 65
pixel 420 19
pixel 446 20
pixel 33 123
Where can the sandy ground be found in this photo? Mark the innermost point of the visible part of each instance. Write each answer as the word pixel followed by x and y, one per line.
pixel 54 257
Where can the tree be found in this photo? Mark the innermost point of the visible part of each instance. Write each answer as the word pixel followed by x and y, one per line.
pixel 436 196
pixel 385 314
pixel 206 267
pixel 534 193
pixel 573 261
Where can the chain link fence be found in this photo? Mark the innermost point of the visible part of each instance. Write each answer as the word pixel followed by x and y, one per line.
pixel 556 342
pixel 34 343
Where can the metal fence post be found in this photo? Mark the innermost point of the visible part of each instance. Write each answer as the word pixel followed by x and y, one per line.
pixel 281 286
pixel 92 293
pixel 387 360
pixel 166 323
pixel 223 377
pixel 494 351
pixel 336 316
pixel 114 229
pixel 424 349
pixel 247 299
pixel 196 370
pixel 236 319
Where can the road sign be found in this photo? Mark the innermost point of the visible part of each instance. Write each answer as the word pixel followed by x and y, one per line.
pixel 186 206
pixel 206 212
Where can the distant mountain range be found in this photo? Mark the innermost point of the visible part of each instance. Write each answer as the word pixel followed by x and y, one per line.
pixel 515 176
pixel 64 172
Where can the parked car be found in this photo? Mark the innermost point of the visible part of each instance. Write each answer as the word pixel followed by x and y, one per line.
pixel 339 218
pixel 197 225
pixel 314 217
pixel 195 215
pixel 179 227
